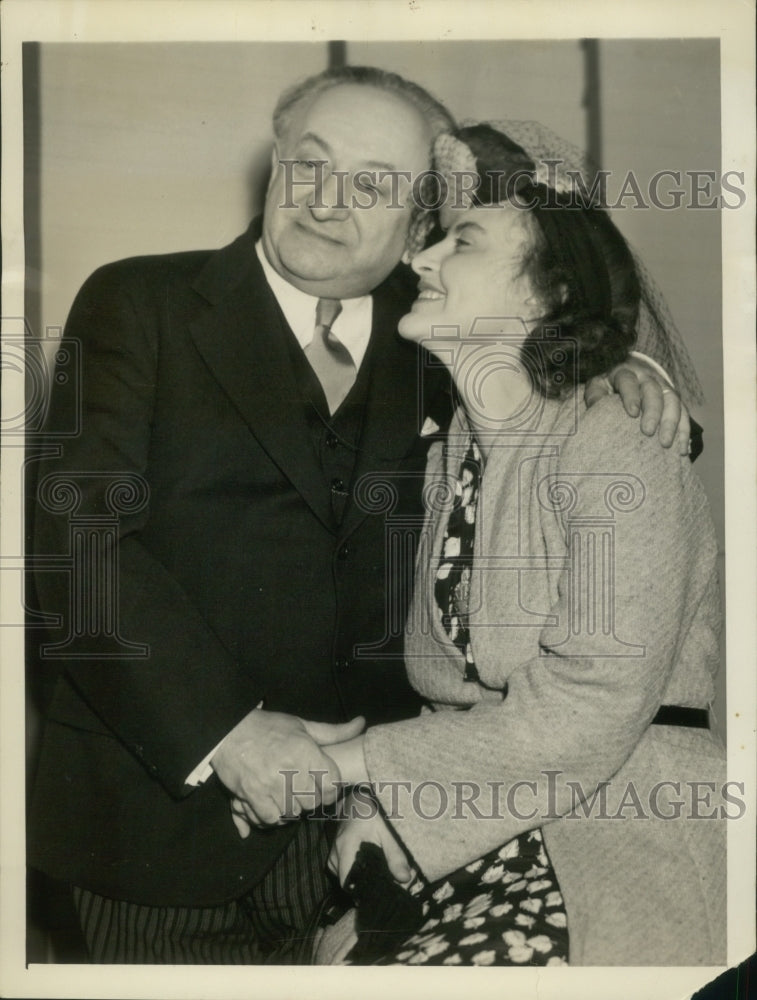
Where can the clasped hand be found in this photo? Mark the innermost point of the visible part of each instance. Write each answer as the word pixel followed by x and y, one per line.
pixel 274 766
pixel 363 822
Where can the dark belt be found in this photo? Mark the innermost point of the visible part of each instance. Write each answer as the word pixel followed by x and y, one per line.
pixel 677 715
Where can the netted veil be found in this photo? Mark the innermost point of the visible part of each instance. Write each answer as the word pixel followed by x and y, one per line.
pixel 557 164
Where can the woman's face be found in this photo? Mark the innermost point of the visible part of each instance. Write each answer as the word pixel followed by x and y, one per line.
pixel 474 272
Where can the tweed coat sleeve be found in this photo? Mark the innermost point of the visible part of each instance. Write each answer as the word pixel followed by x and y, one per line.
pixel 567 711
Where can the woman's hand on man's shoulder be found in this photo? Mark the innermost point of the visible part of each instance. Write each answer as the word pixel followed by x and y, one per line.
pixel 645 392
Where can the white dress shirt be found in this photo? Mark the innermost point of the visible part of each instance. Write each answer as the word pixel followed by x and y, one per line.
pixel 352 327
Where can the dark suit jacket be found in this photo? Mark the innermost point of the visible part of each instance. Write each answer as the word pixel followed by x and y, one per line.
pixel 233 575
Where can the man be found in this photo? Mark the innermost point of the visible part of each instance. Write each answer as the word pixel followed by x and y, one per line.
pixel 253 418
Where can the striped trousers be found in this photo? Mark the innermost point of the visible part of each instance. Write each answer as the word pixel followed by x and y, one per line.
pixel 270 924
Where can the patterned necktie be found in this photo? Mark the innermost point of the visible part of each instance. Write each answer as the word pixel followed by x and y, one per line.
pixel 330 359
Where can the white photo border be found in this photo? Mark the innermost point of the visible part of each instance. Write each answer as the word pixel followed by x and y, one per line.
pixel 220 20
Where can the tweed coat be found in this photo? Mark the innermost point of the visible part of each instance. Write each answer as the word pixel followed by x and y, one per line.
pixel 593 600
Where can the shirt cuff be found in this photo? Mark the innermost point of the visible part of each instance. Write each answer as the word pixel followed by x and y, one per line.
pixel 204 769
pixel 652 364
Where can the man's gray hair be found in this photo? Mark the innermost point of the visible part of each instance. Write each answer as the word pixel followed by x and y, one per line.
pixel 434 112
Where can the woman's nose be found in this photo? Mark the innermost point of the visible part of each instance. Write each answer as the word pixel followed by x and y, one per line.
pixel 427 261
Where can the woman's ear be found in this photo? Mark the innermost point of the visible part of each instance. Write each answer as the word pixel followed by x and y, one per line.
pixel 535 305
pixel 539 306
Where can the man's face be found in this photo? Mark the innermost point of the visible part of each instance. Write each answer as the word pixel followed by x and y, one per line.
pixel 326 244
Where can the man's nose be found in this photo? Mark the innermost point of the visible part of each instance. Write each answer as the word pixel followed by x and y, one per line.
pixel 330 199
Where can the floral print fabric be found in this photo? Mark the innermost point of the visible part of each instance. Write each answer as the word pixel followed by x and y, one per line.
pixel 503 909
pixel 452 585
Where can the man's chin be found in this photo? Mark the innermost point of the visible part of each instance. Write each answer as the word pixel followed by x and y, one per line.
pixel 303 264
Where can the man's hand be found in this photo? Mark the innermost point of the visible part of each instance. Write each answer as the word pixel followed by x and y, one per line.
pixel 643 389
pixel 250 760
pixel 366 823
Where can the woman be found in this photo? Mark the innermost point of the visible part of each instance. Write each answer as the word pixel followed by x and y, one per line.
pixel 565 620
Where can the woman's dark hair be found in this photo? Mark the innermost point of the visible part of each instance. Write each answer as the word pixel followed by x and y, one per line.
pixel 580 267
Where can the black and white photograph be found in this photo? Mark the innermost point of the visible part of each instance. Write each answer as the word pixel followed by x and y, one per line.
pixel 378 512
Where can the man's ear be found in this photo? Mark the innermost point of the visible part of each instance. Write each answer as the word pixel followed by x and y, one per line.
pixel 275 156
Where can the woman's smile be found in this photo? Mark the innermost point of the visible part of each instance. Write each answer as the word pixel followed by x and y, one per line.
pixel 426 293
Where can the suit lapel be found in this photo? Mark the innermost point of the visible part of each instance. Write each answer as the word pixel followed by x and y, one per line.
pixel 396 403
pixel 392 418
pixel 243 340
